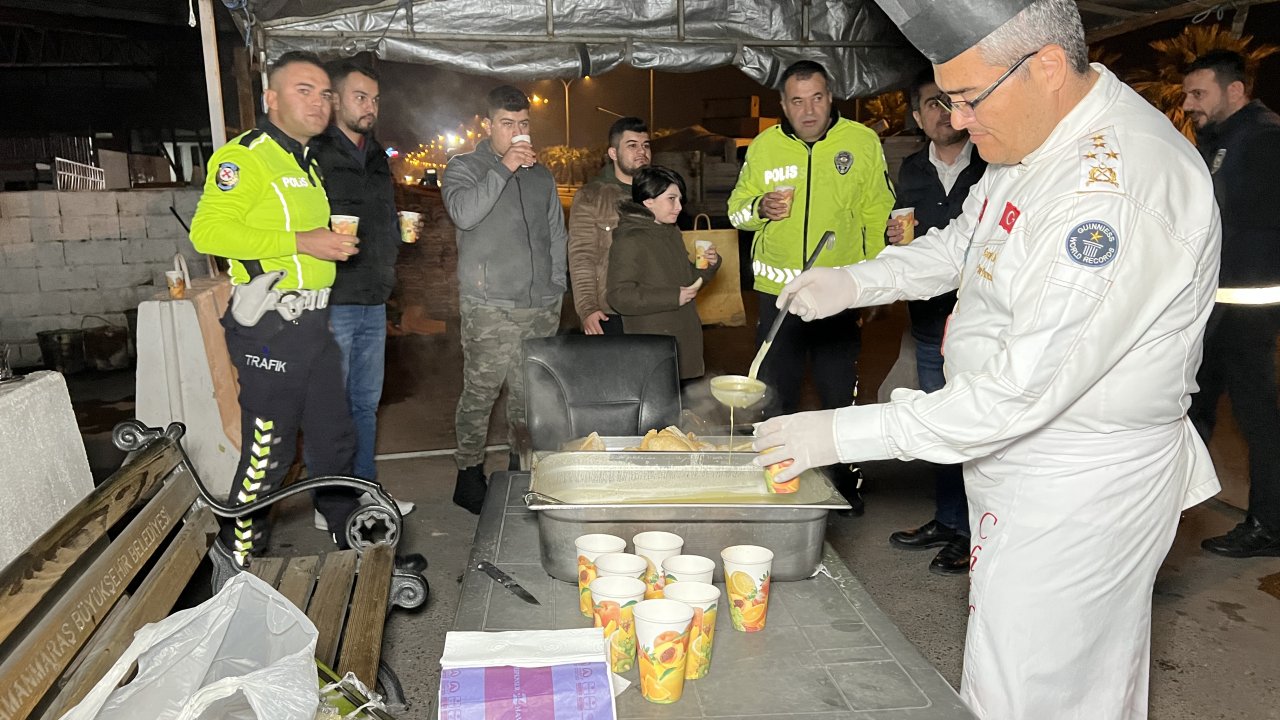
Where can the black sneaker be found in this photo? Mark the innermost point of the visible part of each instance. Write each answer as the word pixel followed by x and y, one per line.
pixel 1248 539
pixel 848 480
pixel 470 489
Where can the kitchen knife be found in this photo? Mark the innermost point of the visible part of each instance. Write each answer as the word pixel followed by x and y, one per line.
pixel 507 582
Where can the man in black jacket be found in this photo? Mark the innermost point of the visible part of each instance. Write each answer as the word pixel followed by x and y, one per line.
pixel 358 182
pixel 935 181
pixel 1240 140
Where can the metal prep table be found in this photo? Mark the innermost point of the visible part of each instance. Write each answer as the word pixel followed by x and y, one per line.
pixel 827 652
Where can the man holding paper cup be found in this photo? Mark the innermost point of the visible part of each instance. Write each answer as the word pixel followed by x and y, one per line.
pixel 932 186
pixel 1084 290
pixel 359 184
pixel 264 208
pixel 814 172
pixel 511 274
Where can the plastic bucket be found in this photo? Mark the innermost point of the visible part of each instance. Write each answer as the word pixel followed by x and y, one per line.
pixel 62 350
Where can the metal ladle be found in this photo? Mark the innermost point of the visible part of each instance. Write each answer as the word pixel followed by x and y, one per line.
pixel 743 391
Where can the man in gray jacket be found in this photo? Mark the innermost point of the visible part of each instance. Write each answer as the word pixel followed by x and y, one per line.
pixel 511 274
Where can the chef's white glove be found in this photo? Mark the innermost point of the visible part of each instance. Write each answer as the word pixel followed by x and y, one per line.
pixel 807 438
pixel 820 292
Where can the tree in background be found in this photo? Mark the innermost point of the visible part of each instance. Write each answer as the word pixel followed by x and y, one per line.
pixel 1162 86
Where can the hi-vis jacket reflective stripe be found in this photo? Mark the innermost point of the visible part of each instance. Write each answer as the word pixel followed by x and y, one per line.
pixel 1249 296
pixel 256 199
pixel 1086 275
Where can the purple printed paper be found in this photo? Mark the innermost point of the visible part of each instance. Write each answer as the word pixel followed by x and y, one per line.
pixel 560 692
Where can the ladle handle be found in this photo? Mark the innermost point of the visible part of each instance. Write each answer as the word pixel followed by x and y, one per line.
pixel 777 321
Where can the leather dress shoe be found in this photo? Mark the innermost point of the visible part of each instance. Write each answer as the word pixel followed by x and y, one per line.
pixel 953 559
pixel 931 534
pixel 856 506
pixel 1248 539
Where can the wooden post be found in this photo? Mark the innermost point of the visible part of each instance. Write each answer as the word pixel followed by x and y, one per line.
pixel 212 75
pixel 244 88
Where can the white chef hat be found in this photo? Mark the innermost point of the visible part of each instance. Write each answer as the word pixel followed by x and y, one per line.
pixel 942 29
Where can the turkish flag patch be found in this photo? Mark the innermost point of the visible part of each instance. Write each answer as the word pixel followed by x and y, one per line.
pixel 1009 217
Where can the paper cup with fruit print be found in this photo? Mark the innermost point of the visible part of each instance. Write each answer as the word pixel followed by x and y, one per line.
pixel 704 598
pixel 621 565
pixel 655 547
pixel 613 599
pixel 589 548
pixel 662 646
pixel 746 576
pixel 687 568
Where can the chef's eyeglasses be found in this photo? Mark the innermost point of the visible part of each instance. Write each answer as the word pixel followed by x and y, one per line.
pixel 968 107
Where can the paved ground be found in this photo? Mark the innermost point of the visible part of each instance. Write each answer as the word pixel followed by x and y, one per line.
pixel 1215 631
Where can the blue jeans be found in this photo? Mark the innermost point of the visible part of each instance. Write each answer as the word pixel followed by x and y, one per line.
pixel 952 504
pixel 361 332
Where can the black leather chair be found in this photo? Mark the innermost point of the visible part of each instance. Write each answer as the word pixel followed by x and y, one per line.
pixel 612 385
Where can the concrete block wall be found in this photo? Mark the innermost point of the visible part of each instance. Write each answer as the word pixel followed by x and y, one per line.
pixel 68 255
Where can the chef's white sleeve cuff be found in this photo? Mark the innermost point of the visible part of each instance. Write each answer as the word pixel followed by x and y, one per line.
pixel 859 434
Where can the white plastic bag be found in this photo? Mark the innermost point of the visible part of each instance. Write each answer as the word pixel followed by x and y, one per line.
pixel 246 654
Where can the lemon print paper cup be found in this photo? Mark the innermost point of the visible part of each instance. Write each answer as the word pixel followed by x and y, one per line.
pixel 613 600
pixel 589 548
pixel 687 568
pixel 746 576
pixel 655 547
pixel 704 598
pixel 662 646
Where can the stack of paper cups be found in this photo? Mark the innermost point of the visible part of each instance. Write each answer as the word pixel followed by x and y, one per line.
pixel 655 547
pixel 589 548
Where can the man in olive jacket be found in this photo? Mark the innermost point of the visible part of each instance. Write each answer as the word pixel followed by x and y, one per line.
pixel 511 274
pixel 594 217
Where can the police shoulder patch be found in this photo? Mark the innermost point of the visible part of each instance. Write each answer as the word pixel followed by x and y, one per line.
pixel 228 176
pixel 1092 244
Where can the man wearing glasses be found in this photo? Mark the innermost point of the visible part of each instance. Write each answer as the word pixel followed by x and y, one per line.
pixel 1086 261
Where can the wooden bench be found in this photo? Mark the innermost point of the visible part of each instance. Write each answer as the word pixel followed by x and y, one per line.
pixel 70 604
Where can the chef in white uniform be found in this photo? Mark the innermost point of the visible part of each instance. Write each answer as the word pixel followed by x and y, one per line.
pixel 1086 261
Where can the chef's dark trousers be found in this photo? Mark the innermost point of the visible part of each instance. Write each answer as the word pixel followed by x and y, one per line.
pixel 830 344
pixel 290 376
pixel 1239 358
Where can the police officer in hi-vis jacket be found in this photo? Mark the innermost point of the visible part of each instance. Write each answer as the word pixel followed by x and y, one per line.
pixel 264 208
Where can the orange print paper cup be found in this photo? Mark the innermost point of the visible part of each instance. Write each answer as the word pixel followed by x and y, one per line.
pixel 613 600
pixel 771 478
pixel 344 224
pixel 746 576
pixel 687 568
pixel 655 547
pixel 589 548
pixel 704 598
pixel 907 218
pixel 662 646
pixel 621 565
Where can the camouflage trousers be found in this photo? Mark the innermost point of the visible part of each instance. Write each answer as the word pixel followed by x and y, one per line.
pixel 491 338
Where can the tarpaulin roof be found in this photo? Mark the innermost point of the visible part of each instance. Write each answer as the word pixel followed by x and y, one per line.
pixel 527 39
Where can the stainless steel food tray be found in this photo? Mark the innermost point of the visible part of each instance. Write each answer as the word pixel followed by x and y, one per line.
pixel 625 442
pixel 711 499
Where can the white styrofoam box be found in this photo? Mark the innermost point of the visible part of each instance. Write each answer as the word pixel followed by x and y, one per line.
pixel 175 384
pixel 43 468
